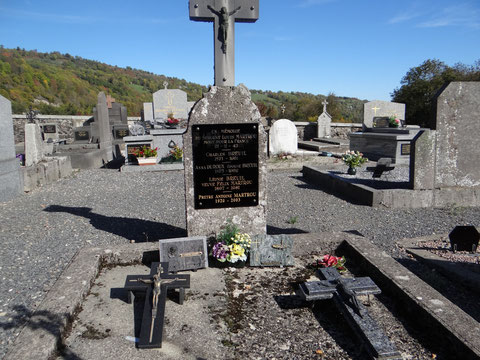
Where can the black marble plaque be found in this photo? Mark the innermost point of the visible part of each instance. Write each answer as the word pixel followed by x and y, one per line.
pixel 121 133
pixel 381 122
pixel 81 135
pixel 49 129
pixel 225 165
pixel 405 149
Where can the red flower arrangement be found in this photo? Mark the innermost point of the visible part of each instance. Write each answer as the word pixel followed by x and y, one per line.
pixel 333 261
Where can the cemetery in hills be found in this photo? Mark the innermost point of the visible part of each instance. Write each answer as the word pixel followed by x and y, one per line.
pixel 204 231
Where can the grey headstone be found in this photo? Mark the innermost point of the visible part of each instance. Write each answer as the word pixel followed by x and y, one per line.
pixel 49 131
pixel 168 101
pixel 458 132
pixel 11 183
pixel 324 125
pixel 189 253
pixel 221 107
pixel 271 250
pixel 117 114
pixel 380 108
pixel 283 137
pixel 34 147
pixel 148 112
pixel 103 123
pixel 422 161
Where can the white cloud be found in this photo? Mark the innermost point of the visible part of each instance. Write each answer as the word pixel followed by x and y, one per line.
pixel 400 18
pixel 457 15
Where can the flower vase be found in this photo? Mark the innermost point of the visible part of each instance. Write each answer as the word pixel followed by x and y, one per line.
pixel 147 161
pixel 351 170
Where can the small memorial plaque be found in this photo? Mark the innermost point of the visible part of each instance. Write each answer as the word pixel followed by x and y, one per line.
pixel 121 133
pixel 225 165
pixel 188 253
pixel 271 250
pixel 81 135
pixel 50 129
pixel 405 149
pixel 381 122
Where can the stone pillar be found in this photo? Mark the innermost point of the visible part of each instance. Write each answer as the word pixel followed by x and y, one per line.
pixel 11 181
pixel 34 147
pixel 422 161
pixel 103 123
pixel 225 164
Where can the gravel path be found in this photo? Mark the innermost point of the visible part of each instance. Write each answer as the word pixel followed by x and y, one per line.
pixel 41 231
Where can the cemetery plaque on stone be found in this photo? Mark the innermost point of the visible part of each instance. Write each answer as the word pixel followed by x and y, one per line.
pixel 225 165
pixel 120 132
pixel 405 149
pixel 381 122
pixel 189 253
pixel 271 250
pixel 81 135
pixel 49 128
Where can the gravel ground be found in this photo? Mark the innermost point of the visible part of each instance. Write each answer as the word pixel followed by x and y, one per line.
pixel 41 231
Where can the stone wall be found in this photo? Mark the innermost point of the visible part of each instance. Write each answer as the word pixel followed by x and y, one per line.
pixel 308 130
pixel 65 124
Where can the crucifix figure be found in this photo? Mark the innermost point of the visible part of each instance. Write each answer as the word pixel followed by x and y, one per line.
pixel 155 286
pixel 224 14
pixel 325 103
pixel 344 292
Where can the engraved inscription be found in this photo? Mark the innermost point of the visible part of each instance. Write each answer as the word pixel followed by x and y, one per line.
pixel 405 149
pixel 225 165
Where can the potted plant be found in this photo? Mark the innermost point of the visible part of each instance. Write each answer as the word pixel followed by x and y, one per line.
pixel 232 247
pixel 175 155
pixel 394 121
pixel 353 159
pixel 146 155
pixel 171 122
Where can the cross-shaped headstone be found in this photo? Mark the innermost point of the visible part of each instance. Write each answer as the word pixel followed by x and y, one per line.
pixel 165 84
pixel 155 286
pixel 110 100
pixel 224 14
pixel 344 292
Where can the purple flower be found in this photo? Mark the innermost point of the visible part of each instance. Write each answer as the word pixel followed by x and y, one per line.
pixel 219 251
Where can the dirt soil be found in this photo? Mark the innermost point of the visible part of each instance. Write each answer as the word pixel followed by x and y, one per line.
pixel 441 247
pixel 245 313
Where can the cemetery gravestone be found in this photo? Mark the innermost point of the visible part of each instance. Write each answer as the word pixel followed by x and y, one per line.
pixel 225 163
pixel 49 131
pixel 457 134
pixel 103 123
pixel 34 147
pixel 148 112
pixel 11 182
pixel 283 138
pixel 381 109
pixel 324 123
pixel 184 253
pixel 170 101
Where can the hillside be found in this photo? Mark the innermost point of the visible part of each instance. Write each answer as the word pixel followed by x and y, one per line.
pixel 55 83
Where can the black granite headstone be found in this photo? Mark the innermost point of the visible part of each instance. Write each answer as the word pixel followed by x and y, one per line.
pixel 464 238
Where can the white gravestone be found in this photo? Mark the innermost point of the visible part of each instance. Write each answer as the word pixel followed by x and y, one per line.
pixel 283 137
pixel 34 147
pixel 378 108
pixel 324 123
pixel 148 111
pixel 168 101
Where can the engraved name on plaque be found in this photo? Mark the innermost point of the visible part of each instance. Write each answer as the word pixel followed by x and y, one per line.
pixel 225 165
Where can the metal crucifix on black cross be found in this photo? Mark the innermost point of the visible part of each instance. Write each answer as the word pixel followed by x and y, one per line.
pixel 155 286
pixel 344 292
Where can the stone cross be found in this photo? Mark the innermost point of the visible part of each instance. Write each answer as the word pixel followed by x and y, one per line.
pixel 165 84
pixel 375 109
pixel 224 14
pixel 344 292
pixel 156 286
pixel 110 100
pixel 283 108
pixel 325 103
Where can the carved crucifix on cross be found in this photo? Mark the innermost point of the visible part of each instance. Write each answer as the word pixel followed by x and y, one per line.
pixel 224 14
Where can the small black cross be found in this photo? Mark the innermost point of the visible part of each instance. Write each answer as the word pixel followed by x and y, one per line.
pixel 156 286
pixel 344 292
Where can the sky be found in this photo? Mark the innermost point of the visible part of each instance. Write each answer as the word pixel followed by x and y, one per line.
pixel 352 48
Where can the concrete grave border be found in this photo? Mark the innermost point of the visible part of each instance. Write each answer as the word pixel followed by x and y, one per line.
pixel 464 273
pixel 64 300
pixel 392 198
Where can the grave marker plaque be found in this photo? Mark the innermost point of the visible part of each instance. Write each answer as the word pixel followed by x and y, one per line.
pixel 49 129
pixel 404 149
pixel 381 122
pixel 81 135
pixel 271 250
pixel 225 165
pixel 189 253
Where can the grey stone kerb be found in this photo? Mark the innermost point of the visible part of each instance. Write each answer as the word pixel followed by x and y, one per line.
pixel 224 14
